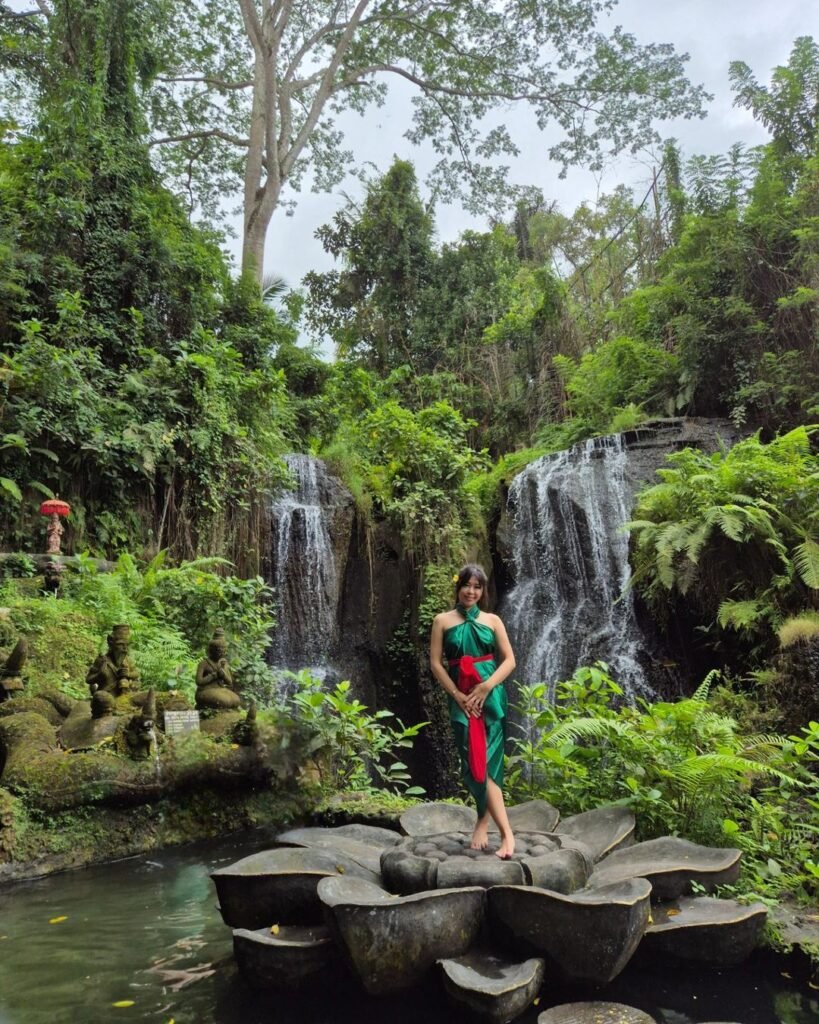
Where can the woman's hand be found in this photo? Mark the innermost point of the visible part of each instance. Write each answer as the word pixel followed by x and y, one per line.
pixel 475 699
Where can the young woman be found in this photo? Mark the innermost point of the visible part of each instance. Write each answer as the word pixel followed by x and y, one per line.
pixel 470 656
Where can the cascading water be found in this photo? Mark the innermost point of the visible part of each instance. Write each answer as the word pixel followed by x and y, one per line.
pixel 571 604
pixel 304 567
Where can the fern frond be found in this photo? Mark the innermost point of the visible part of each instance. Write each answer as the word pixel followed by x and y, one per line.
pixel 703 691
pixel 586 729
pixel 806 557
pixel 740 615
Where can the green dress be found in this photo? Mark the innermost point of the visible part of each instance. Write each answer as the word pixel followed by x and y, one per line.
pixel 474 638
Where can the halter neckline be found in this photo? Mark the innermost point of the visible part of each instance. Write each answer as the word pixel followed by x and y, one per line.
pixel 470 614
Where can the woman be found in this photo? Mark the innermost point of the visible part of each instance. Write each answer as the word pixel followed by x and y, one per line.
pixel 470 656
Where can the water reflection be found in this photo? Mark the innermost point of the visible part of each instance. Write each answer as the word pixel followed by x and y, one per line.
pixel 145 931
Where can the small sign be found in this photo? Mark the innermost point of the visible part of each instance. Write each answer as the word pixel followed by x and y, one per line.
pixel 181 721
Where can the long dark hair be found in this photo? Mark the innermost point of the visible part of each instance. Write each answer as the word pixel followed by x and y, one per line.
pixel 466 574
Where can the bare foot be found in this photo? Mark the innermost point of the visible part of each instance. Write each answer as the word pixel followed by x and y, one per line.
pixel 507 847
pixel 480 837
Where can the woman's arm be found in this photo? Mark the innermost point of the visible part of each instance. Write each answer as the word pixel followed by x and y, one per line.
pixel 439 668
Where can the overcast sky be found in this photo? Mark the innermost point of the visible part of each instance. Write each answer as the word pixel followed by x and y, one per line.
pixel 760 32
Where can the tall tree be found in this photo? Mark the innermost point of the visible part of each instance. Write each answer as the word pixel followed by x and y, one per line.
pixel 257 86
pixel 369 307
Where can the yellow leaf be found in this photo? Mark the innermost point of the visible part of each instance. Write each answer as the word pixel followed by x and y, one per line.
pixel 536 1000
pixel 274 930
pixel 58 920
pixel 671 913
pixel 121 1005
pixel 339 869
pixel 234 746
pixel 650 919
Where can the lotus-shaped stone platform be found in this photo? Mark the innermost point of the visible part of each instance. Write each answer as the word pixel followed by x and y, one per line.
pixel 572 905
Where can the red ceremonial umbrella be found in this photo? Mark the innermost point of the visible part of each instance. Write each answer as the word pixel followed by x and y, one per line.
pixel 55 505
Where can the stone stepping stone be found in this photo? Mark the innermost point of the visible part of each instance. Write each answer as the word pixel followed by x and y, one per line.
pixel 365 854
pixel 587 936
pixel 390 941
pixel 435 819
pixel 494 989
pixel 705 930
pixel 671 865
pixel 601 831
pixel 288 958
pixel 594 1013
pixel 279 886
pixel 531 816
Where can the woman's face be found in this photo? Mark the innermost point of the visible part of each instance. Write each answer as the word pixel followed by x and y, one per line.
pixel 470 593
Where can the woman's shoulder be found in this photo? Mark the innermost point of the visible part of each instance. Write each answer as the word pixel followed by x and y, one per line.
pixel 490 619
pixel 446 619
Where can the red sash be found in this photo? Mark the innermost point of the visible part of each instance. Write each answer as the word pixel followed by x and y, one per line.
pixel 476 737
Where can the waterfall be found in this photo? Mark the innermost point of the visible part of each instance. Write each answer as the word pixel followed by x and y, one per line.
pixel 305 571
pixel 571 604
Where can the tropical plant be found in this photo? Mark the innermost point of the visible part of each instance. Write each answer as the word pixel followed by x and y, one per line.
pixel 355 749
pixel 733 535
pixel 683 767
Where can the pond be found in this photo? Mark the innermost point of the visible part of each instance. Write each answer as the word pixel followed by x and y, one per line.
pixel 145 931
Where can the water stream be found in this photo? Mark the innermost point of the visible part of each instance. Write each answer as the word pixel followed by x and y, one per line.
pixel 304 573
pixel 571 604
pixel 146 931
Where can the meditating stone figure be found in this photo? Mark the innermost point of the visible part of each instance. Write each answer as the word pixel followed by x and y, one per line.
pixel 11 670
pixel 112 673
pixel 215 688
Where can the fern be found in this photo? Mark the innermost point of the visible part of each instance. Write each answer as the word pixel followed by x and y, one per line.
pixel 741 615
pixel 806 558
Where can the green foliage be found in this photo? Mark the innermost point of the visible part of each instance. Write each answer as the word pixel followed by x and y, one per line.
pixel 171 612
pixel 732 535
pixel 355 750
pixel 685 769
pixel 619 373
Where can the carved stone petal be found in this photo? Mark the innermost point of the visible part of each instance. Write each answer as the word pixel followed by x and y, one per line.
pixel 594 1013
pixel 670 864
pixel 279 886
pixel 365 854
pixel 562 871
pixel 492 988
pixel 391 942
pixel 705 930
pixel 484 871
pixel 602 830
pixel 588 936
pixel 531 816
pixel 435 819
pixel 405 873
pixel 287 960
pixel 373 835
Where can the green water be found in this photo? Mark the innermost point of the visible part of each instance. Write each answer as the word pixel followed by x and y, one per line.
pixel 146 931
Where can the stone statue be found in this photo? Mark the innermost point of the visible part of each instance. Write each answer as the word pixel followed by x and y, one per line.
pixel 112 674
pixel 54 532
pixel 11 670
pixel 51 577
pixel 215 688
pixel 140 732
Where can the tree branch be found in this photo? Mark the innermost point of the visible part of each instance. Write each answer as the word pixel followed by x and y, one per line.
pixel 325 89
pixel 218 83
pixel 356 78
pixel 213 133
